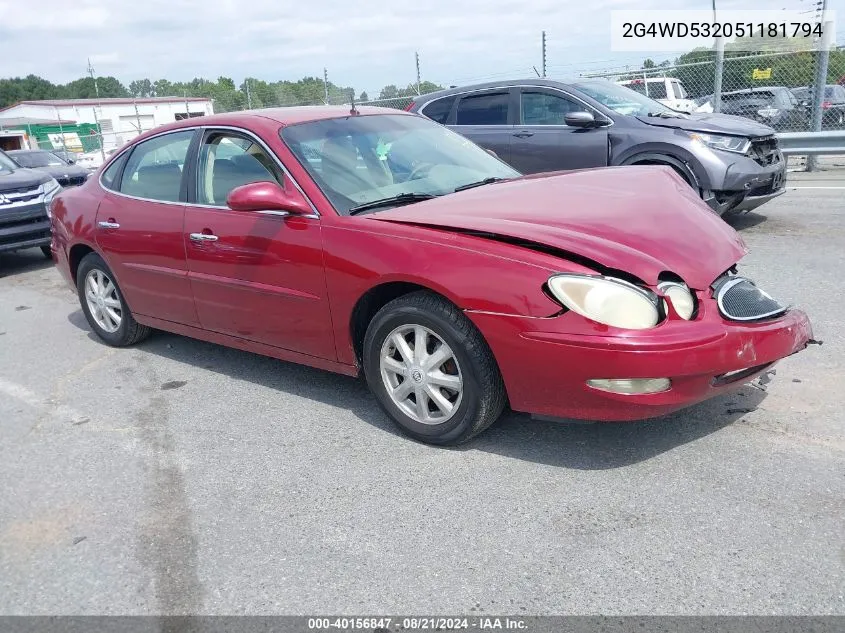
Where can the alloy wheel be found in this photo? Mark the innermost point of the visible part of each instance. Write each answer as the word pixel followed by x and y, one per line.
pixel 103 301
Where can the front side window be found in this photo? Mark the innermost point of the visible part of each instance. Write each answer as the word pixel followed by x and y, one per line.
pixel 154 169
pixel 539 108
pixel 485 109
pixel 439 110
pixel 228 160
pixel 360 159
pixel 39 159
pixel 678 88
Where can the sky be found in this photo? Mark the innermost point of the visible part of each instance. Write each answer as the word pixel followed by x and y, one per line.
pixel 365 44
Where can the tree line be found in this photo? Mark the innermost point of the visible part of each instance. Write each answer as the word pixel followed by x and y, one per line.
pixel 227 96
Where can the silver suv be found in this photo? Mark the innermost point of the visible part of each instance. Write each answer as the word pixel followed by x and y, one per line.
pixel 540 126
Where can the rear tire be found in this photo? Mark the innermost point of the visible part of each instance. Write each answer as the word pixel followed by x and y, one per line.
pixel 442 386
pixel 104 306
pixel 48 253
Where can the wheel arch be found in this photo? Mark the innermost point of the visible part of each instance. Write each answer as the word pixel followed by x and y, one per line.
pixel 658 158
pixel 75 255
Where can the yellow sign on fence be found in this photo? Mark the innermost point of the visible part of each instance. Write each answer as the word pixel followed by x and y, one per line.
pixel 762 73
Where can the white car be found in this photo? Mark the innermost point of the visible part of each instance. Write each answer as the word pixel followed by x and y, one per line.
pixel 667 90
pixel 93 160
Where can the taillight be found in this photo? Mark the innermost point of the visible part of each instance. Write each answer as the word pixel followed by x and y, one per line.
pixel 409 106
pixel 826 105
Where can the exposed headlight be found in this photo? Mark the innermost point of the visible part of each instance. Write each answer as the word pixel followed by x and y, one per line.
pixel 680 296
pixel 738 144
pixel 607 300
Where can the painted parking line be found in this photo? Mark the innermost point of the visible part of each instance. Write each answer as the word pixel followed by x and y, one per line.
pixel 811 187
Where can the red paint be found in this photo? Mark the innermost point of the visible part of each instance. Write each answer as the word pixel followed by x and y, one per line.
pixel 287 285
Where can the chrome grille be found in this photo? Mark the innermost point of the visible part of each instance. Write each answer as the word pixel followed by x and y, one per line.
pixel 740 300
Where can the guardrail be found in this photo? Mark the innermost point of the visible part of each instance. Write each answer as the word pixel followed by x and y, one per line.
pixel 812 143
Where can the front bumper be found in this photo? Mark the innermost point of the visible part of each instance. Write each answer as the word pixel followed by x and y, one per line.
pixel 746 185
pixel 546 368
pixel 24 227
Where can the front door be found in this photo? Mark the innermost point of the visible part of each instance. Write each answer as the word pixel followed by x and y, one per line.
pixel 139 228
pixel 486 119
pixel 257 276
pixel 543 142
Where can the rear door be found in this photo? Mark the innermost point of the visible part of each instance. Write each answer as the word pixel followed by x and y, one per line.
pixel 139 227
pixel 543 142
pixel 487 118
pixel 255 275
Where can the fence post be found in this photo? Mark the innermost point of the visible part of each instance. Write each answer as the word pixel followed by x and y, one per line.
pixel 820 83
pixel 718 72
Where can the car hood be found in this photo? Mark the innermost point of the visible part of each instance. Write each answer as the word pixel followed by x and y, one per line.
pixel 59 171
pixel 21 178
pixel 640 220
pixel 713 123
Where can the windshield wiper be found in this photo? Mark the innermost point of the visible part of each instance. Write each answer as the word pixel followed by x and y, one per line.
pixel 393 201
pixel 480 183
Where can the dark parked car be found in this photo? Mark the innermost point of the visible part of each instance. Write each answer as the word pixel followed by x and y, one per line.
pixel 774 106
pixel 66 155
pixel 42 160
pixel 833 104
pixel 381 243
pixel 540 126
pixel 24 198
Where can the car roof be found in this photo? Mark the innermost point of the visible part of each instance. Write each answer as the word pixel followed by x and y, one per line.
pixel 509 83
pixel 754 90
pixel 282 116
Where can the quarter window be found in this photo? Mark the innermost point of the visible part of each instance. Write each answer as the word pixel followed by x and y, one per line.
pixel 228 161
pixel 438 111
pixel 485 109
pixel 539 108
pixel 154 170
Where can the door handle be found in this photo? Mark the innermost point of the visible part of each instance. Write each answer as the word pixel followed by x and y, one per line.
pixel 524 134
pixel 108 225
pixel 203 237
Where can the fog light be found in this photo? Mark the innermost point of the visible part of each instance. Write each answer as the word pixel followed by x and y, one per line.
pixel 630 386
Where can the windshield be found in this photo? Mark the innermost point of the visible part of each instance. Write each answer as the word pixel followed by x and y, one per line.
pixel 6 163
pixel 39 159
pixel 621 99
pixel 749 99
pixel 360 159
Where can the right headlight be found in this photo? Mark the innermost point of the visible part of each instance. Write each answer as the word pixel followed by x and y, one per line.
pixel 607 300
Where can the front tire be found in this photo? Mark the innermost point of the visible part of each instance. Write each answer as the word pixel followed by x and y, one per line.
pixel 431 370
pixel 47 252
pixel 104 306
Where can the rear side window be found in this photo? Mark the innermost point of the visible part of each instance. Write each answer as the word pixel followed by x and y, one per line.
pixel 438 111
pixel 485 109
pixel 680 93
pixel 657 89
pixel 154 170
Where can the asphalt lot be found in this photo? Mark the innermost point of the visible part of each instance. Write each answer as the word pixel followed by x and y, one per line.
pixel 183 477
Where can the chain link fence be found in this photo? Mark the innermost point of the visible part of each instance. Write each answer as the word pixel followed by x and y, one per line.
pixel 777 89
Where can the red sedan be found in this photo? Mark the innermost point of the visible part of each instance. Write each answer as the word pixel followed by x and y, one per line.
pixel 377 241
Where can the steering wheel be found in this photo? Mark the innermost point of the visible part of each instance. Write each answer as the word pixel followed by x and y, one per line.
pixel 418 170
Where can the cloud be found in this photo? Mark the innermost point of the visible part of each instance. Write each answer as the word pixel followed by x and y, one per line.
pixel 365 43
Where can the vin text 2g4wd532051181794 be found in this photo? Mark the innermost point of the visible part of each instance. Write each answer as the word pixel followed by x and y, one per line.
pixel 377 241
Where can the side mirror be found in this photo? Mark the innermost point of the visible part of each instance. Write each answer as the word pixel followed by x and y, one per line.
pixel 70 161
pixel 580 119
pixel 267 196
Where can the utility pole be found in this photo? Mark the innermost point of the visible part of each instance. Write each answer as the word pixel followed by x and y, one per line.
pixel 99 105
pixel 326 85
pixel 248 96
pixel 820 84
pixel 544 53
pixel 417 57
pixel 719 45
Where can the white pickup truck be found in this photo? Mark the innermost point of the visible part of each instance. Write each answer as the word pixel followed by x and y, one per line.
pixel 667 90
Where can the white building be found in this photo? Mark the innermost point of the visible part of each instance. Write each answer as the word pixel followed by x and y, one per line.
pixel 120 119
